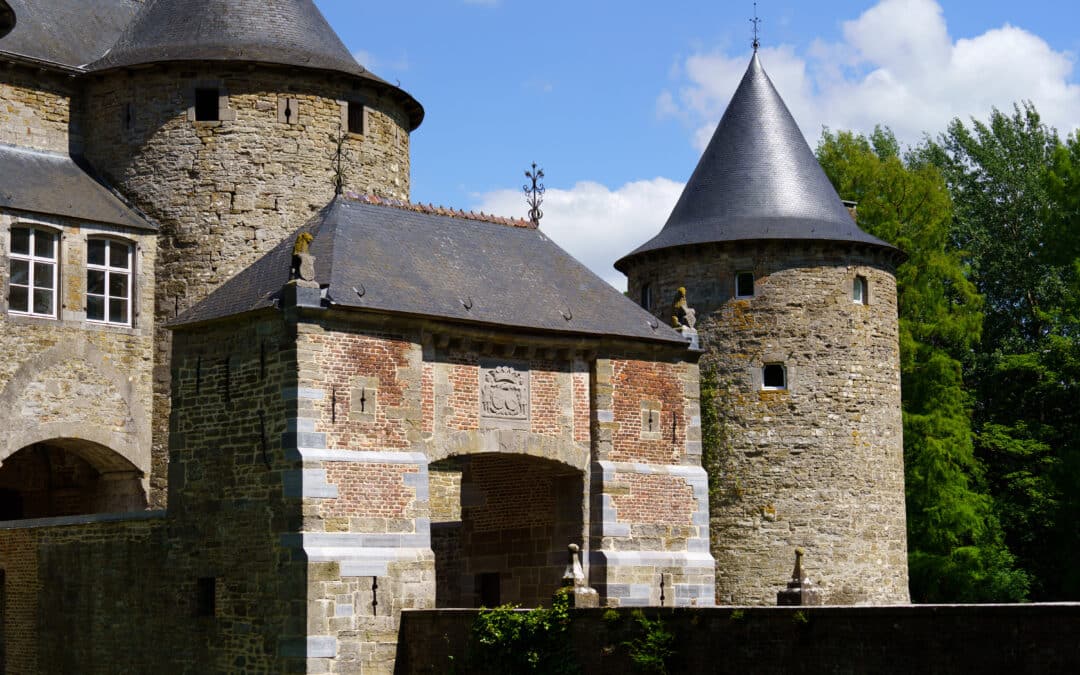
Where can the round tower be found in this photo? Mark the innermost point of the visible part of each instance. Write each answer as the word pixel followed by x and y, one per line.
pixel 797 313
pixel 230 123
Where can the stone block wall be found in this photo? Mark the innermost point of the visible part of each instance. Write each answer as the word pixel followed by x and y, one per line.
pixel 232 514
pixel 68 378
pixel 650 498
pixel 35 110
pixel 225 192
pixel 817 464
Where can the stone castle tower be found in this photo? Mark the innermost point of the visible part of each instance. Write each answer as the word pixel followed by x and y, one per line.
pixel 797 313
pixel 222 120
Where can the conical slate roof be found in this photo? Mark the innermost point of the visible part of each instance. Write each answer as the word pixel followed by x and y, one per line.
pixel 758 179
pixel 284 32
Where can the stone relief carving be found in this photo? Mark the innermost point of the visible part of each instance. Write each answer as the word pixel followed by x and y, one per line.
pixel 504 393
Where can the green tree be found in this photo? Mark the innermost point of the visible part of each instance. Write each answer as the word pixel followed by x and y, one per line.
pixel 1014 187
pixel 955 542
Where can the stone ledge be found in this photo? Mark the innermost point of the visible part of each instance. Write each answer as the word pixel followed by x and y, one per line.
pixel 86 519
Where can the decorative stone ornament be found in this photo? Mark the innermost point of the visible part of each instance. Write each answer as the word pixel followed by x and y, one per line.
pixel 574 577
pixel 800 590
pixel 684 318
pixel 504 394
pixel 303 263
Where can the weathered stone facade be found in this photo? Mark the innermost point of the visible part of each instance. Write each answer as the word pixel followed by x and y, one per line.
pixel 226 191
pixel 818 463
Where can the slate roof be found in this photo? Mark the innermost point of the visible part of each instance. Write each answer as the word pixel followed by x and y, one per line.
pixel 283 32
pixel 450 265
pixel 67 33
pixel 53 184
pixel 758 179
pixel 7 18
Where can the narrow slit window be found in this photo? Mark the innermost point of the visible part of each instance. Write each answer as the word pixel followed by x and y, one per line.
pixel 774 376
pixel 859 291
pixel 206 596
pixel 356 117
pixel 646 297
pixel 206 104
pixel 744 284
pixel 108 281
pixel 32 272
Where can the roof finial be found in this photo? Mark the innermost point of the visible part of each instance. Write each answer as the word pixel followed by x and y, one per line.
pixel 756 21
pixel 534 194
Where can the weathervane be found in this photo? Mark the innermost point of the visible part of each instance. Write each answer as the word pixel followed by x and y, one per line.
pixel 337 156
pixel 534 194
pixel 756 21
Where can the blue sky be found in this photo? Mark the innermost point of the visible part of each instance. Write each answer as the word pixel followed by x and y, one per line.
pixel 616 99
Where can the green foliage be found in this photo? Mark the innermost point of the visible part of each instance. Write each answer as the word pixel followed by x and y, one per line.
pixel 799 618
pixel 508 640
pixel 954 538
pixel 1017 195
pixel 651 650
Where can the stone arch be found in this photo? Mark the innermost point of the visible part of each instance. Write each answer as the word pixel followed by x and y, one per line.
pixel 513 442
pixel 500 526
pixel 124 428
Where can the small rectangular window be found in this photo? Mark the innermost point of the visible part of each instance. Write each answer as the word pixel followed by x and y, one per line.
pixel 356 118
pixel 32 280
pixel 744 285
pixel 206 104
pixel 108 281
pixel 206 596
pixel 646 297
pixel 859 290
pixel 774 376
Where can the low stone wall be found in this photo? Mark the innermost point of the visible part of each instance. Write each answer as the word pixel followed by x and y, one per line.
pixel 895 639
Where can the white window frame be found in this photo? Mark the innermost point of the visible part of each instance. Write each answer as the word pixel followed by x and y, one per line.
pixel 753 283
pixel 110 270
pixel 32 260
pixel 783 368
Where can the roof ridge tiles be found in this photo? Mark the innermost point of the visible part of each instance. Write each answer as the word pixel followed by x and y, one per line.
pixel 430 209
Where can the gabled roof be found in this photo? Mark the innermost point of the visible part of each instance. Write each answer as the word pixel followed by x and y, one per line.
pixel 66 33
pixel 53 184
pixel 283 32
pixel 758 179
pixel 442 264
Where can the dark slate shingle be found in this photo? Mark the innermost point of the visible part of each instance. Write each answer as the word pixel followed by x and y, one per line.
pixel 67 33
pixel 414 262
pixel 52 183
pixel 757 179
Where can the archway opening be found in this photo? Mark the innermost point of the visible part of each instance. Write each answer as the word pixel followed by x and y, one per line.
pixel 67 477
pixel 500 526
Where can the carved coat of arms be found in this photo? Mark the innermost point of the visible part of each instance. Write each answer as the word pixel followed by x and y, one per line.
pixel 504 394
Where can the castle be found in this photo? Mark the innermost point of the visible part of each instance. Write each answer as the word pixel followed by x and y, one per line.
pixel 255 403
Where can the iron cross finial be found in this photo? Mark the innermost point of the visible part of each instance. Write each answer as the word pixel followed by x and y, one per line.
pixel 756 21
pixel 534 194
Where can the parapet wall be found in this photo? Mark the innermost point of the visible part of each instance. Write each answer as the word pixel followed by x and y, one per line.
pixel 940 639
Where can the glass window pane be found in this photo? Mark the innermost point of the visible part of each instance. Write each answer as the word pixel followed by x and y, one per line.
pixel 118 285
pixel 20 240
pixel 95 251
pixel 43 301
pixel 43 275
pixel 95 308
pixel 20 272
pixel 118 255
pixel 44 244
pixel 18 299
pixel 118 311
pixel 95 282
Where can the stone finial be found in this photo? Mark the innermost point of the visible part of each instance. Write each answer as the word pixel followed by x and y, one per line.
pixel 302 271
pixel 684 318
pixel 574 577
pixel 800 590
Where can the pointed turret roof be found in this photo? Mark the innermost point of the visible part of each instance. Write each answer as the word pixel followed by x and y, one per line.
pixel 283 32
pixel 758 179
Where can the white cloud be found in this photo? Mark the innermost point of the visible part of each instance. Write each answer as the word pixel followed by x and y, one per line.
pixel 593 223
pixel 896 65
pixel 377 65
